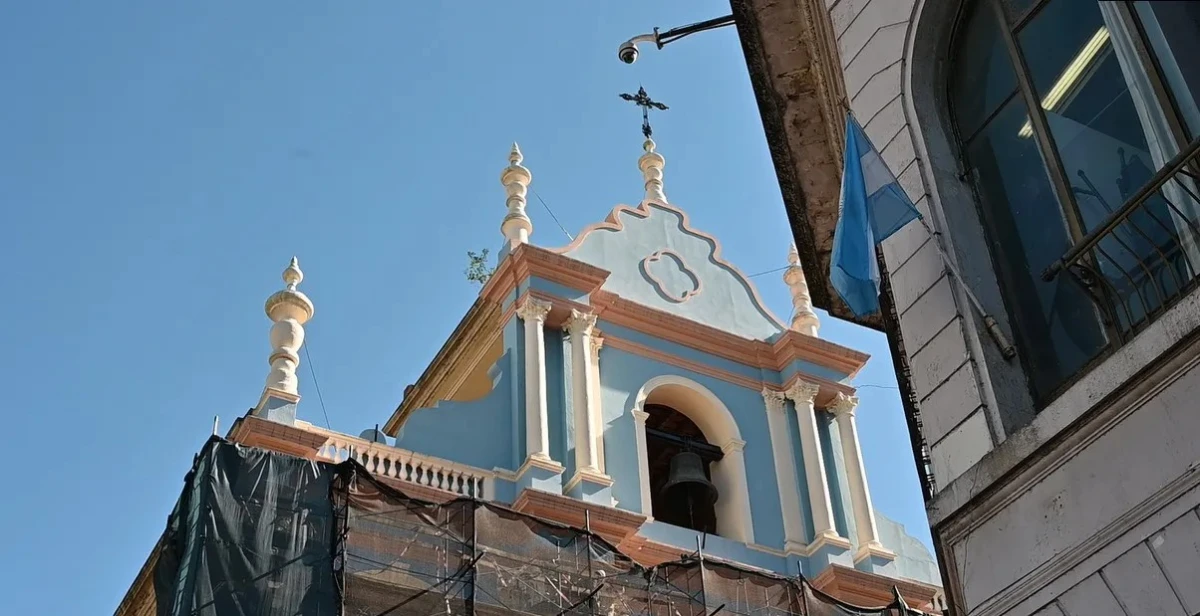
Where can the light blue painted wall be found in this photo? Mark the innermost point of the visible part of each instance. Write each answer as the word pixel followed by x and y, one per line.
pixel 685 352
pixel 556 402
pixel 486 433
pixel 725 299
pixel 835 475
pixel 568 413
pixel 801 367
pixel 466 431
pixel 801 478
pixel 913 560
pixel 554 289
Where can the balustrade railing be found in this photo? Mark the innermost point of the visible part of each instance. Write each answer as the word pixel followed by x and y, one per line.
pixel 404 465
pixel 1145 255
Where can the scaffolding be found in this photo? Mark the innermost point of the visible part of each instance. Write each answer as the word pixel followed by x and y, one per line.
pixel 258 532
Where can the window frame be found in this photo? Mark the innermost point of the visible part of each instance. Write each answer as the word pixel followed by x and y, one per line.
pixel 1010 27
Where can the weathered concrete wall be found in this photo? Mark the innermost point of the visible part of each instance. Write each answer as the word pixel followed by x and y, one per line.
pixel 871 39
pixel 1109 488
pixel 1034 511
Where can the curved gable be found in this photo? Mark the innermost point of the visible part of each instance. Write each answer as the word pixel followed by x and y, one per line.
pixel 658 260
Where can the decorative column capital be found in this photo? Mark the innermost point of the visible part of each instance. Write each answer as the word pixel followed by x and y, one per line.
pixel 775 399
pixel 802 392
pixel 581 323
pixel 640 416
pixel 843 405
pixel 534 310
pixel 597 343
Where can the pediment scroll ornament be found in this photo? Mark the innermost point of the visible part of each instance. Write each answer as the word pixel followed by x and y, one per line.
pixel 670 275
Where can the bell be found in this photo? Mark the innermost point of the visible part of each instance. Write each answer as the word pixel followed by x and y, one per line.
pixel 686 481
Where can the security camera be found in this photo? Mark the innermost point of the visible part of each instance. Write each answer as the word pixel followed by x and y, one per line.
pixel 628 52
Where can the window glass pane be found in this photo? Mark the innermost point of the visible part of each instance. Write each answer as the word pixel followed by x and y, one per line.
pixel 1173 30
pixel 1016 9
pixel 1058 327
pixel 983 75
pixel 1111 135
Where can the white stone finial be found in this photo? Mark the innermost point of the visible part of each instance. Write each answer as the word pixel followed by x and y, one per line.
pixel 289 309
pixel 804 319
pixel 516 227
pixel 651 163
pixel 292 276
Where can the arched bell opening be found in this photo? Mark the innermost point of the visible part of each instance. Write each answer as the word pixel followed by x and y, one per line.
pixel 679 457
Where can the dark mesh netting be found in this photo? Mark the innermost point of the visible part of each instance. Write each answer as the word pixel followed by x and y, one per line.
pixel 258 533
pixel 251 535
pixel 406 556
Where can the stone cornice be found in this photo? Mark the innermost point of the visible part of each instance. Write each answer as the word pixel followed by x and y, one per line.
pixel 529 260
pixel 871 590
pixel 789 347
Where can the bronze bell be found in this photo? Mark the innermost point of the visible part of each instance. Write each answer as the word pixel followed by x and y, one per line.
pixel 687 481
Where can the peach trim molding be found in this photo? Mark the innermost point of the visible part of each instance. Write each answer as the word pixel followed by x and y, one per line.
pixel 871 590
pixel 613 223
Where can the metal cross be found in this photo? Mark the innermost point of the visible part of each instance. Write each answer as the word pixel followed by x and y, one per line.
pixel 641 99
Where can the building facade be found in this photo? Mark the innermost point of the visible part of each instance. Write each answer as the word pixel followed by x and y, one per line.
pixel 1045 323
pixel 587 380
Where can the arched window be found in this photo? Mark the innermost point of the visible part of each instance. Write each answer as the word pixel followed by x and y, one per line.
pixel 674 413
pixel 668 434
pixel 1111 106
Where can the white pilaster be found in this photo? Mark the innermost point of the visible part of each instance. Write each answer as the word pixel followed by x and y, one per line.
pixel 580 326
pixel 639 437
pixel 785 471
pixel 843 409
pixel 537 432
pixel 733 521
pixel 803 394
pixel 596 406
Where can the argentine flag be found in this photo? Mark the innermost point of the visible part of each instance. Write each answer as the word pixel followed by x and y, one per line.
pixel 872 208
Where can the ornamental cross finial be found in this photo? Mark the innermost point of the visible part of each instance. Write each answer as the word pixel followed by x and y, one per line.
pixel 641 99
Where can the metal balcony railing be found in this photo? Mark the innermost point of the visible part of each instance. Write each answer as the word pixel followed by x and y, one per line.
pixel 1145 255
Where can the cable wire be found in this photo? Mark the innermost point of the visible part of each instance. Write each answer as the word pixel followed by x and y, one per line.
pixel 551 212
pixel 778 269
pixel 313 372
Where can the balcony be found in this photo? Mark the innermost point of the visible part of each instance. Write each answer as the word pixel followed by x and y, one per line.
pixel 407 466
pixel 1145 256
pixel 428 477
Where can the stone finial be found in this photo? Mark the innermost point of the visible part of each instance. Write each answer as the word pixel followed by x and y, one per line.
pixel 289 309
pixel 651 163
pixel 804 319
pixel 516 227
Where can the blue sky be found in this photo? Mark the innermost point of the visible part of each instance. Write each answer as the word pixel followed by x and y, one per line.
pixel 160 163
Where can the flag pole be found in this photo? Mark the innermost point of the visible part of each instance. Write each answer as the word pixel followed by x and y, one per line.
pixel 993 327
